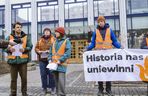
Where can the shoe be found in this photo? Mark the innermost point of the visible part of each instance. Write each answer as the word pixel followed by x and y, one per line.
pixel 45 91
pixel 12 95
pixel 53 92
pixel 109 93
pixel 25 94
pixel 100 93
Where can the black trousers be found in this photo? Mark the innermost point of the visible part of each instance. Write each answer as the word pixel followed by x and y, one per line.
pixel 108 86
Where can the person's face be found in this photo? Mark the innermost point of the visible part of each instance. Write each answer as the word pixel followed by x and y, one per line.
pixel 101 23
pixel 47 33
pixel 57 34
pixel 18 28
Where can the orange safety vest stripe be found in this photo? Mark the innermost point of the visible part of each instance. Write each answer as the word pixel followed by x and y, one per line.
pixel 23 45
pixel 106 43
pixel 56 55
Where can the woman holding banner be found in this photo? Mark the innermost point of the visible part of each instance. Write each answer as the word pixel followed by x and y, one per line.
pixel 102 39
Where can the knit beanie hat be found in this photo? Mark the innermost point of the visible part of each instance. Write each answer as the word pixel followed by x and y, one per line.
pixel 61 30
pixel 101 18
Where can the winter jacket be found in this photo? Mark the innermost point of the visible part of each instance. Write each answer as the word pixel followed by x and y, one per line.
pixel 67 54
pixel 115 43
pixel 44 45
pixel 18 59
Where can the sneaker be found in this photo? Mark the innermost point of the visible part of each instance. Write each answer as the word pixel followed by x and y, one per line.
pixel 53 92
pixel 45 91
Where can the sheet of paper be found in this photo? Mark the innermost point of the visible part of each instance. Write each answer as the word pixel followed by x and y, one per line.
pixel 17 48
pixel 44 55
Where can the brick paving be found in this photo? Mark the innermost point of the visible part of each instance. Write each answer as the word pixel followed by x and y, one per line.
pixel 75 85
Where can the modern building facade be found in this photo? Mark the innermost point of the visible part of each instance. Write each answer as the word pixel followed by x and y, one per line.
pixel 128 19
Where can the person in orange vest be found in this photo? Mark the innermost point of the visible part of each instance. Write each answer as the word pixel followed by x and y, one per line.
pixel 144 44
pixel 59 53
pixel 42 50
pixel 102 39
pixel 18 57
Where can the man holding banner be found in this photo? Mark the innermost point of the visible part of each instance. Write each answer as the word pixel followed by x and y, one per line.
pixel 102 39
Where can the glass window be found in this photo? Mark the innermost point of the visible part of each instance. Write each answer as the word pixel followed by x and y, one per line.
pixel 137 6
pixel 76 10
pixel 48 13
pixel 72 24
pixel 129 23
pixel 69 1
pixel 1 30
pixel 22 15
pixel 140 22
pixel 80 0
pixel 26 28
pixel 1 17
pixel 106 7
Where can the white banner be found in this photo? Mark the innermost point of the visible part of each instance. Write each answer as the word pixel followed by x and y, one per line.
pixel 116 65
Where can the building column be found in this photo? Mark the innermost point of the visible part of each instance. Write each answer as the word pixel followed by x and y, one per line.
pixel 7 19
pixel 33 28
pixel 123 23
pixel 90 12
pixel 61 12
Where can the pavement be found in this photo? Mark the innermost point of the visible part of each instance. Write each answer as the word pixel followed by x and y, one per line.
pixel 75 84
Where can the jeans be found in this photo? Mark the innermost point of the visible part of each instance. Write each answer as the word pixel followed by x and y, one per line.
pixel 47 78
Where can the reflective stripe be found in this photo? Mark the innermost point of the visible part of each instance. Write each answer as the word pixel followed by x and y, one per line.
pixel 57 55
pixel 106 43
pixel 23 45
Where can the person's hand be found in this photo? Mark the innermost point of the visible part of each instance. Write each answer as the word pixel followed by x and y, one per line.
pixel 49 61
pixel 22 50
pixel 39 52
pixel 12 43
pixel 47 51
pixel 11 49
pixel 58 62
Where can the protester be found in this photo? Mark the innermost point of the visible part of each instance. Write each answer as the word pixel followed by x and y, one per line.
pixel 18 57
pixel 102 39
pixel 59 53
pixel 42 50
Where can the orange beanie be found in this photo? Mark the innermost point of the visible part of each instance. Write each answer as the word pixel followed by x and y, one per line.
pixel 101 18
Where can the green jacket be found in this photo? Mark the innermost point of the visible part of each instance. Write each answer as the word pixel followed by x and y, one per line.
pixel 28 48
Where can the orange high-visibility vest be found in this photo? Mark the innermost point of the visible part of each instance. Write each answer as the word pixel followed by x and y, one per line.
pixel 23 45
pixel 147 41
pixel 106 43
pixel 57 55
